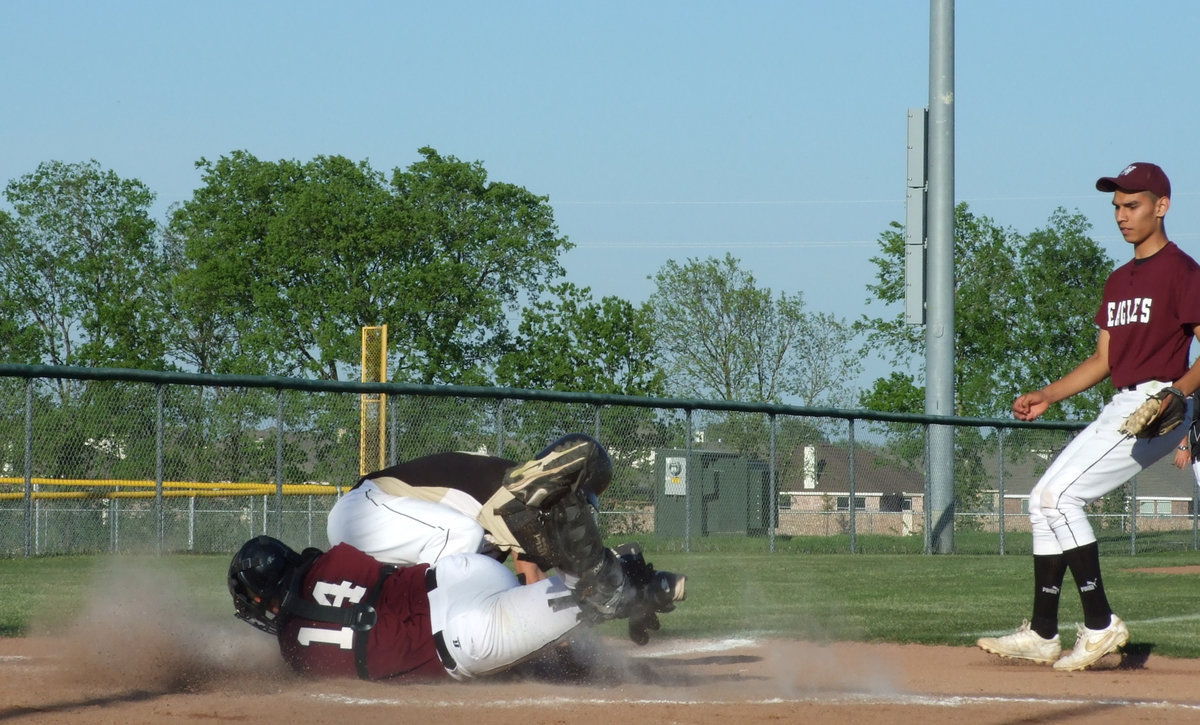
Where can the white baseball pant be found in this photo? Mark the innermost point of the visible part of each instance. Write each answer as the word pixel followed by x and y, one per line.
pixel 1096 462
pixel 488 621
pixel 403 530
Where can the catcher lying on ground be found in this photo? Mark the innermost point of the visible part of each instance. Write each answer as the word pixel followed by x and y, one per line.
pixel 342 613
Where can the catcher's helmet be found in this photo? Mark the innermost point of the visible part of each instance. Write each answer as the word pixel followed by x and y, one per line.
pixel 597 469
pixel 259 576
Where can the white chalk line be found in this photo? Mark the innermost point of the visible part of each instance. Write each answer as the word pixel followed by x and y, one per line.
pixel 840 698
pixel 824 699
pixel 685 647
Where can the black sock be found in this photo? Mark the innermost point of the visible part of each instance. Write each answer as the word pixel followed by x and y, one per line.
pixel 1048 573
pixel 1084 563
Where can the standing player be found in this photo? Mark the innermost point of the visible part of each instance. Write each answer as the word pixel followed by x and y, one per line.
pixel 420 510
pixel 1147 319
pixel 341 613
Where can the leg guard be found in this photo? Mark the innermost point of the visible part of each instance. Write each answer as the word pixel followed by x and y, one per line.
pixel 602 589
pixel 529 531
pixel 607 583
pixel 572 530
pixel 566 537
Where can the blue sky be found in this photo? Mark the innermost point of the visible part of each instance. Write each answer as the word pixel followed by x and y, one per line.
pixel 772 130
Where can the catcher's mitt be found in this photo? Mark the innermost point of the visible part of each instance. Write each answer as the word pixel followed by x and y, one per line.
pixel 1161 413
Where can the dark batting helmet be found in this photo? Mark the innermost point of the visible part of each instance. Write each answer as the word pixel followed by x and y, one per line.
pixel 259 576
pixel 597 468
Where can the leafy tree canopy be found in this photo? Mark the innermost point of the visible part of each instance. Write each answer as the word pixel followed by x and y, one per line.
pixel 80 269
pixel 723 337
pixel 567 341
pixel 280 264
pixel 1023 315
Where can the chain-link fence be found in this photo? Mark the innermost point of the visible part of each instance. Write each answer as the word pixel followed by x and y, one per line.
pixel 136 461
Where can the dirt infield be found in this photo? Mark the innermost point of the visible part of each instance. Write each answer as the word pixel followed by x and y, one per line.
pixel 144 652
pixel 223 676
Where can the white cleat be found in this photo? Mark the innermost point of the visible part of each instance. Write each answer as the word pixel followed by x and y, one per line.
pixel 1024 644
pixel 1092 644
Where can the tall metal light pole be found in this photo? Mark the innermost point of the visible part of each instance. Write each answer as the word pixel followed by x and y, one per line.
pixel 939 328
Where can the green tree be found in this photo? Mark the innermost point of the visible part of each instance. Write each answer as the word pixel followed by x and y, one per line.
pixel 1023 315
pixel 567 341
pixel 280 265
pixel 470 251
pixel 1061 281
pixel 723 337
pixel 19 335
pixel 80 269
pixel 81 274
pixel 274 263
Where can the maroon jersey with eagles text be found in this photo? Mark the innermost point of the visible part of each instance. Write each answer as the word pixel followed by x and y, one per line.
pixel 400 647
pixel 1149 308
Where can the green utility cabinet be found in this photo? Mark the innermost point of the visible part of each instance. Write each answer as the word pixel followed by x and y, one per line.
pixel 711 493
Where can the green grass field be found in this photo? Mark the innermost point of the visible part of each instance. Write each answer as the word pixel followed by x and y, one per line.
pixel 945 599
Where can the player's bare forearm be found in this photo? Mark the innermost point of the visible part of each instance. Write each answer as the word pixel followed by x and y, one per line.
pixel 1190 382
pixel 1085 375
pixel 530 571
pixel 1091 371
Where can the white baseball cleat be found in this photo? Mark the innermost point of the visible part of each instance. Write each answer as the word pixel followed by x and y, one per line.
pixel 1024 644
pixel 1092 644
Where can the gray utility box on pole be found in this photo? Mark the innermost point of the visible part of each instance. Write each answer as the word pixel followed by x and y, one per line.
pixel 711 493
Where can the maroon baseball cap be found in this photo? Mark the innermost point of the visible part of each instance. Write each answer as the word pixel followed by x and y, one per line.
pixel 1138 176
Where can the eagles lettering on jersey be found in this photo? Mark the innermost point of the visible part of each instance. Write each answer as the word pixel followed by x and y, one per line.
pixel 1129 312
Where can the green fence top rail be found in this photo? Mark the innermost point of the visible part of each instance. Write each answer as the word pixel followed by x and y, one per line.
pixel 159 377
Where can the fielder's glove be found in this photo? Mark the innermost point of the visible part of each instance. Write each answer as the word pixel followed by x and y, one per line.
pixel 1161 413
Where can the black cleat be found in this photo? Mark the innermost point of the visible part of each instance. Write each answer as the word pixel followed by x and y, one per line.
pixel 656 591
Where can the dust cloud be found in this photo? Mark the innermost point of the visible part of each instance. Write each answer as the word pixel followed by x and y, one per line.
pixel 141 631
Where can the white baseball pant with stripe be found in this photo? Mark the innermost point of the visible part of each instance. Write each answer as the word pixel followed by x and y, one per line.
pixel 1096 462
